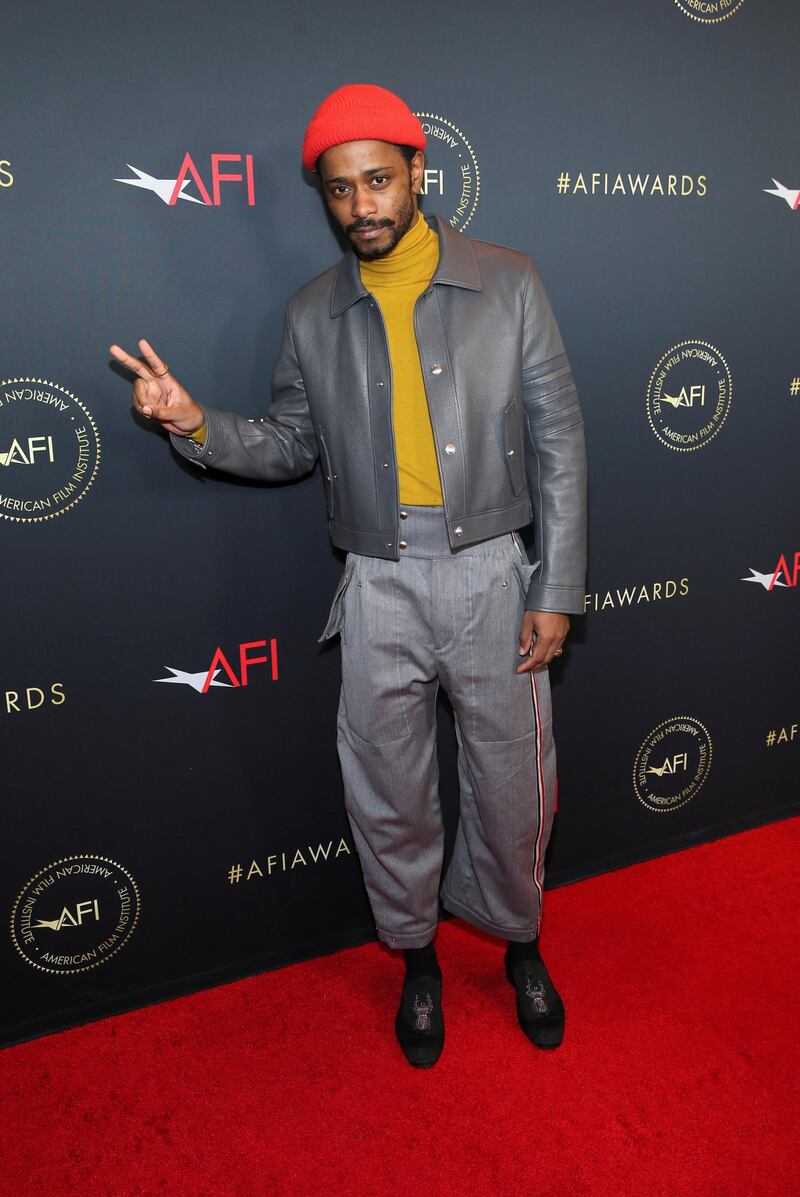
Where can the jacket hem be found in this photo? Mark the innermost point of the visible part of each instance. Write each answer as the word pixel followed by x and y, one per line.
pixel 489 523
pixel 365 543
pixel 473 528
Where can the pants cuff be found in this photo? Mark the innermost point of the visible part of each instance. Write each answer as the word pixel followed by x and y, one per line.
pixel 520 934
pixel 417 940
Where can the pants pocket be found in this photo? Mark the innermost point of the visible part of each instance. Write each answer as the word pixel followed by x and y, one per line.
pixel 523 568
pixel 335 622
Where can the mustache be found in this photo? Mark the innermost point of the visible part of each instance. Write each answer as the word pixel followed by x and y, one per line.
pixel 386 223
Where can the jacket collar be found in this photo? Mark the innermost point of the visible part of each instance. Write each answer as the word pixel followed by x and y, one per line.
pixel 457 267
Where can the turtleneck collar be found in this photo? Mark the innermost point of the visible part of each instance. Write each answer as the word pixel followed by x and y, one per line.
pixel 409 261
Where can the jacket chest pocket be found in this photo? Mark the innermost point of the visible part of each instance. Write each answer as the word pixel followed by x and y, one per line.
pixel 513 446
pixel 328 475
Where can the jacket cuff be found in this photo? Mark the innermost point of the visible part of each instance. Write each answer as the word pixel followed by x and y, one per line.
pixel 204 454
pixel 566 600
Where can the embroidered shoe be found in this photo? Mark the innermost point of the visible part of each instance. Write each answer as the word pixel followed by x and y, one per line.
pixel 540 1010
pixel 419 1024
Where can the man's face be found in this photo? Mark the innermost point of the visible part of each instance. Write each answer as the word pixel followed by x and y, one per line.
pixel 372 193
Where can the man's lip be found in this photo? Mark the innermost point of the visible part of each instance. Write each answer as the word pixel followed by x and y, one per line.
pixel 369 233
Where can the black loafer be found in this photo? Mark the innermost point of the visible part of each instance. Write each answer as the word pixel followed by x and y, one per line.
pixel 540 1010
pixel 419 1024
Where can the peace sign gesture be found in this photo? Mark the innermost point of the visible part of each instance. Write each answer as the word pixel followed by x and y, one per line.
pixel 157 394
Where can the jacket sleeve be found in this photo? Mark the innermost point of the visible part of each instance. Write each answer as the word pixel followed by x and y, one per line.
pixel 555 459
pixel 276 448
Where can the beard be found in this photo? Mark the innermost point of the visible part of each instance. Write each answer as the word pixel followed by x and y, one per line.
pixel 399 226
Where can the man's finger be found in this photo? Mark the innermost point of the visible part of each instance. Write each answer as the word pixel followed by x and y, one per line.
pixel 143 396
pixel 153 360
pixel 531 665
pixel 147 404
pixel 133 363
pixel 539 655
pixel 156 411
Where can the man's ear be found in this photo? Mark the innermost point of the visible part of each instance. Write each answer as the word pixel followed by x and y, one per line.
pixel 416 168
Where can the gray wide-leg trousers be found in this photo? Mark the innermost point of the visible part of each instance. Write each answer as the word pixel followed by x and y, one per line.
pixel 444 617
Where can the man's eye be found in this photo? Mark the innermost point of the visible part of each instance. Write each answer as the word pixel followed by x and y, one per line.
pixel 339 190
pixel 379 178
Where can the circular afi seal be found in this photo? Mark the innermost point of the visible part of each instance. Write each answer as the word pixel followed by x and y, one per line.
pixel 451 172
pixel 709 12
pixel 672 763
pixel 75 914
pixel 689 395
pixel 49 450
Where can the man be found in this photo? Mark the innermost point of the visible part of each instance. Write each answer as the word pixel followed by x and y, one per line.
pixel 427 372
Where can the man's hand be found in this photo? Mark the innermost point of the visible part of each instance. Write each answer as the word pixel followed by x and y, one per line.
pixel 158 395
pixel 545 631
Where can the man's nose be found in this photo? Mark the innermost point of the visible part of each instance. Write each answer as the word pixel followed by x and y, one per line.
pixel 363 203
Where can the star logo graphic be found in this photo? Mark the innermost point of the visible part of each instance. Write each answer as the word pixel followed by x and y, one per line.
pixel 792 198
pixel 163 188
pixel 764 580
pixel 196 680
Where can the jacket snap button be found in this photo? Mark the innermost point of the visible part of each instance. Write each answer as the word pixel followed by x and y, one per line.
pixel 386 465
pixel 450 448
pixel 511 453
pixel 459 530
pixel 380 384
pixel 436 368
pixel 403 544
pixel 403 515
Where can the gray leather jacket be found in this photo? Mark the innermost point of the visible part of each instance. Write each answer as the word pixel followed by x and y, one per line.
pixel 507 425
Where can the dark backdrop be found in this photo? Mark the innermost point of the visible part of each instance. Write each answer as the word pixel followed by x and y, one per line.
pixel 157 838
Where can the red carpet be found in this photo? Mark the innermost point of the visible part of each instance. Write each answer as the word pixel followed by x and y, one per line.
pixel 678 1074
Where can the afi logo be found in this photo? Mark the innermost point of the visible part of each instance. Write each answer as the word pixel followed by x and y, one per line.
pixel 671 765
pixel 16 455
pixel 171 190
pixel 686 397
pixel 68 919
pixel 782 575
pixel 432 180
pixel 220 663
pixel 785 193
pixel 782 568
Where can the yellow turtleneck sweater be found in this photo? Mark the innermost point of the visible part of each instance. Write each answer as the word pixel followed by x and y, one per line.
pixel 396 281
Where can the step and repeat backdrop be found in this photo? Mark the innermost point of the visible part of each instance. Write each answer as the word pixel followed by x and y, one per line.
pixel 171 797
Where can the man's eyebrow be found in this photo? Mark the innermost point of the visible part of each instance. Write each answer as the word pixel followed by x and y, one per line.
pixel 373 170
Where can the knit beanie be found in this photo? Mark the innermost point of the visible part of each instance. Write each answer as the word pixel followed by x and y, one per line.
pixel 360 112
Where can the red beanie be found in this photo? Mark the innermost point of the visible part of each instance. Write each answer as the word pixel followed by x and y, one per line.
pixel 360 112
